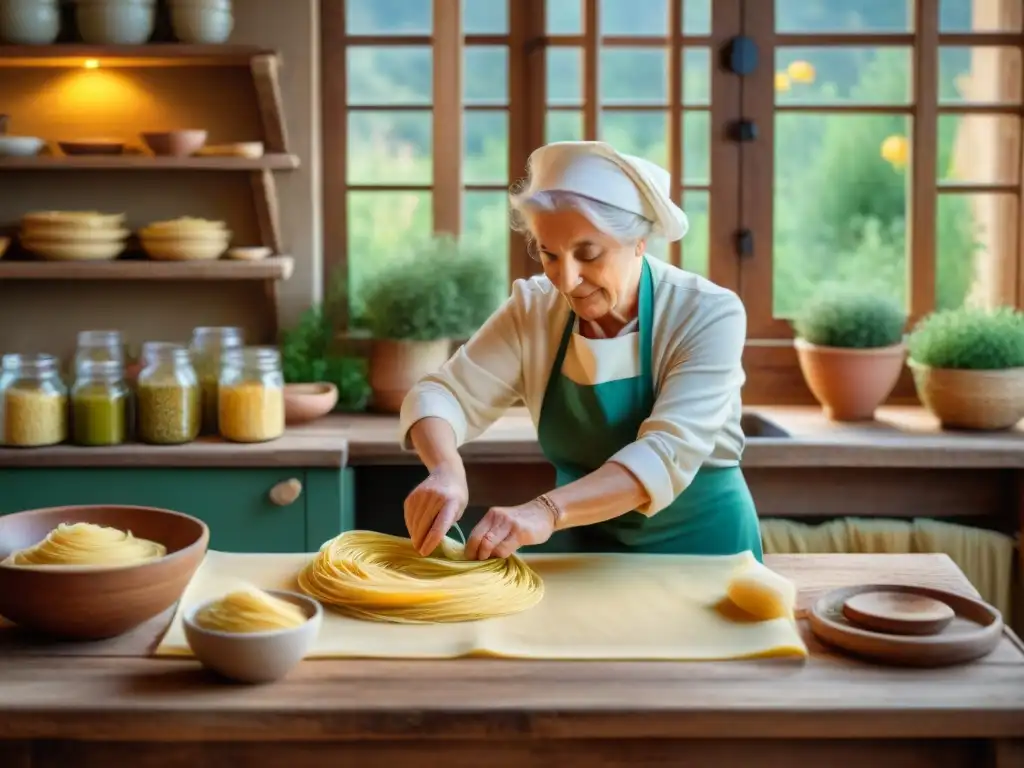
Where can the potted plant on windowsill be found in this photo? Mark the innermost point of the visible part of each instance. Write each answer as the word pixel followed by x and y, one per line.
pixel 415 306
pixel 850 348
pixel 968 367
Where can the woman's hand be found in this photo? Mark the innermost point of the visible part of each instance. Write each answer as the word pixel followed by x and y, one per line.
pixel 503 530
pixel 435 505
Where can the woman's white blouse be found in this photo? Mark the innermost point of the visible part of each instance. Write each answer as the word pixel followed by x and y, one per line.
pixel 698 335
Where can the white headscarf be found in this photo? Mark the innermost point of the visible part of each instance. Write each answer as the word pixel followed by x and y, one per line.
pixel 596 170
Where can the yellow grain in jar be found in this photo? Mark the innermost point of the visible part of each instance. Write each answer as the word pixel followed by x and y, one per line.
pixel 33 401
pixel 251 395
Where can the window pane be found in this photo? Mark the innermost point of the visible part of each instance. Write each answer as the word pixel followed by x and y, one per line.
pixel 389 148
pixel 695 245
pixel 563 126
pixel 633 17
pixel 840 204
pixel 696 147
pixel 696 17
pixel 979 75
pixel 564 18
pixel 389 75
pixel 388 17
pixel 837 75
pixel 696 76
pixel 565 76
pixel 485 17
pixel 486 227
pixel 979 149
pixel 486 148
pixel 972 233
pixel 485 77
pixel 381 227
pixel 979 16
pixel 637 133
pixel 633 76
pixel 842 16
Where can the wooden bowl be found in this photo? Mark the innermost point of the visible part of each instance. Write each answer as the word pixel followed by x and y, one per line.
pixel 254 657
pixel 175 143
pixel 308 402
pixel 96 602
pixel 92 147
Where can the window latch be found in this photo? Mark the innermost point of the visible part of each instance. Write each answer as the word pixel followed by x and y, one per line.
pixel 740 55
pixel 743 130
pixel 745 242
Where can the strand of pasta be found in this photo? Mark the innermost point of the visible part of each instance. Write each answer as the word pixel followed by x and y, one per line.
pixel 379 577
pixel 249 610
pixel 87 544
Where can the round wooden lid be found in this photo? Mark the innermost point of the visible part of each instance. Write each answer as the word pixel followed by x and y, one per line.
pixel 898 613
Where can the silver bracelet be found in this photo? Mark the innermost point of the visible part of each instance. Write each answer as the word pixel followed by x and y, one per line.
pixel 553 508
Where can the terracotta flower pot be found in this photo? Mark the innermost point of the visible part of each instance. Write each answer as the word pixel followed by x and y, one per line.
pixel 967 399
pixel 395 366
pixel 850 383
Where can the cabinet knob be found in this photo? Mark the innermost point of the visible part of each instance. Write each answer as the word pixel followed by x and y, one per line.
pixel 286 492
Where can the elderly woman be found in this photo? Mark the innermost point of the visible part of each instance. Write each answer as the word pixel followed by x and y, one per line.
pixel 630 368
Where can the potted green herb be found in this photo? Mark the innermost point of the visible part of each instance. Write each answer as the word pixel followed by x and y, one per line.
pixel 314 372
pixel 851 352
pixel 416 306
pixel 968 367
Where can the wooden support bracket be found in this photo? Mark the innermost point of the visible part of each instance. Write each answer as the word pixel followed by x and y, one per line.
pixel 264 193
pixel 264 69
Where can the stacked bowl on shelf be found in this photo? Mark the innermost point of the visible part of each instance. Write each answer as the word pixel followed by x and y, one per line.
pixel 185 239
pixel 74 235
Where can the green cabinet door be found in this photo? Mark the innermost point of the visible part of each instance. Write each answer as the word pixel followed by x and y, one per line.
pixel 235 503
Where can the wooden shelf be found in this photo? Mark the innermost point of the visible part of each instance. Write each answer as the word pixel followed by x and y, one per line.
pixel 272 268
pixel 151 55
pixel 269 162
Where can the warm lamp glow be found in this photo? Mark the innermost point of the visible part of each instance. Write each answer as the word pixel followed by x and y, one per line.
pixel 91 64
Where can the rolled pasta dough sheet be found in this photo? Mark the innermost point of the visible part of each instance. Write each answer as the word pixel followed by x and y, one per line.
pixel 595 607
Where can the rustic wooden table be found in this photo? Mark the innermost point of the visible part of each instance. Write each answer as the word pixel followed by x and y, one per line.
pixel 107 704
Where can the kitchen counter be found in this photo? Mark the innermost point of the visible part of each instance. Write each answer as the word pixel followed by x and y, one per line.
pixel 106 703
pixel 776 437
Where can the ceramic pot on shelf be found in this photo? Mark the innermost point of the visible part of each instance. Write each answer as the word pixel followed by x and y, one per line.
pixel 971 399
pixel 202 22
pixel 849 383
pixel 29 22
pixel 396 366
pixel 115 22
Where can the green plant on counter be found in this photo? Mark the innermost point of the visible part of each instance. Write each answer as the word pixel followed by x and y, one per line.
pixel 441 290
pixel 969 339
pixel 851 318
pixel 307 354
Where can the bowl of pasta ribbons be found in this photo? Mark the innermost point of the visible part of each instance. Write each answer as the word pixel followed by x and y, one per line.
pixel 252 635
pixel 96 571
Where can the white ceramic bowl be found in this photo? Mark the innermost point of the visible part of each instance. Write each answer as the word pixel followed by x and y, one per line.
pixel 255 657
pixel 20 146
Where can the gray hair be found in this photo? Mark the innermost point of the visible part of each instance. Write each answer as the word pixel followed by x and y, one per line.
pixel 625 226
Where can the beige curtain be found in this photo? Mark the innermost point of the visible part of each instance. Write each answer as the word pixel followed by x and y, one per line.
pixel 985 557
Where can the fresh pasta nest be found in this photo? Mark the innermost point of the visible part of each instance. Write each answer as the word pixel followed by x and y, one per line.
pixel 379 577
pixel 249 610
pixel 88 544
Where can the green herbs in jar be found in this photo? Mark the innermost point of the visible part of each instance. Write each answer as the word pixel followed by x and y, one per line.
pixel 99 415
pixel 169 413
pixel 34 417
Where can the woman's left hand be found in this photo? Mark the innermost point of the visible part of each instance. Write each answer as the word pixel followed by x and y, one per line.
pixel 503 530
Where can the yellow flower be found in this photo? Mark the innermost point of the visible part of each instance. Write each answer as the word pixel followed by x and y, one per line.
pixel 801 72
pixel 782 83
pixel 896 151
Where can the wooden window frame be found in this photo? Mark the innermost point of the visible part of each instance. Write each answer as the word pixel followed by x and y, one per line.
pixel 741 175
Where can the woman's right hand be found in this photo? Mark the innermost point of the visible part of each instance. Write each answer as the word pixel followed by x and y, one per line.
pixel 435 505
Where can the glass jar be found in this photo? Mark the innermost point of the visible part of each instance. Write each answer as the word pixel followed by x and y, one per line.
pixel 99 404
pixel 208 346
pixel 33 401
pixel 251 396
pixel 99 345
pixel 167 395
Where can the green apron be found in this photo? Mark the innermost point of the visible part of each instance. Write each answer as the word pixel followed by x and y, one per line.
pixel 582 426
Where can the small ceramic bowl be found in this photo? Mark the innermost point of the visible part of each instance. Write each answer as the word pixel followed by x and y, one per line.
pixel 92 147
pixel 249 252
pixel 175 143
pixel 255 657
pixel 308 402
